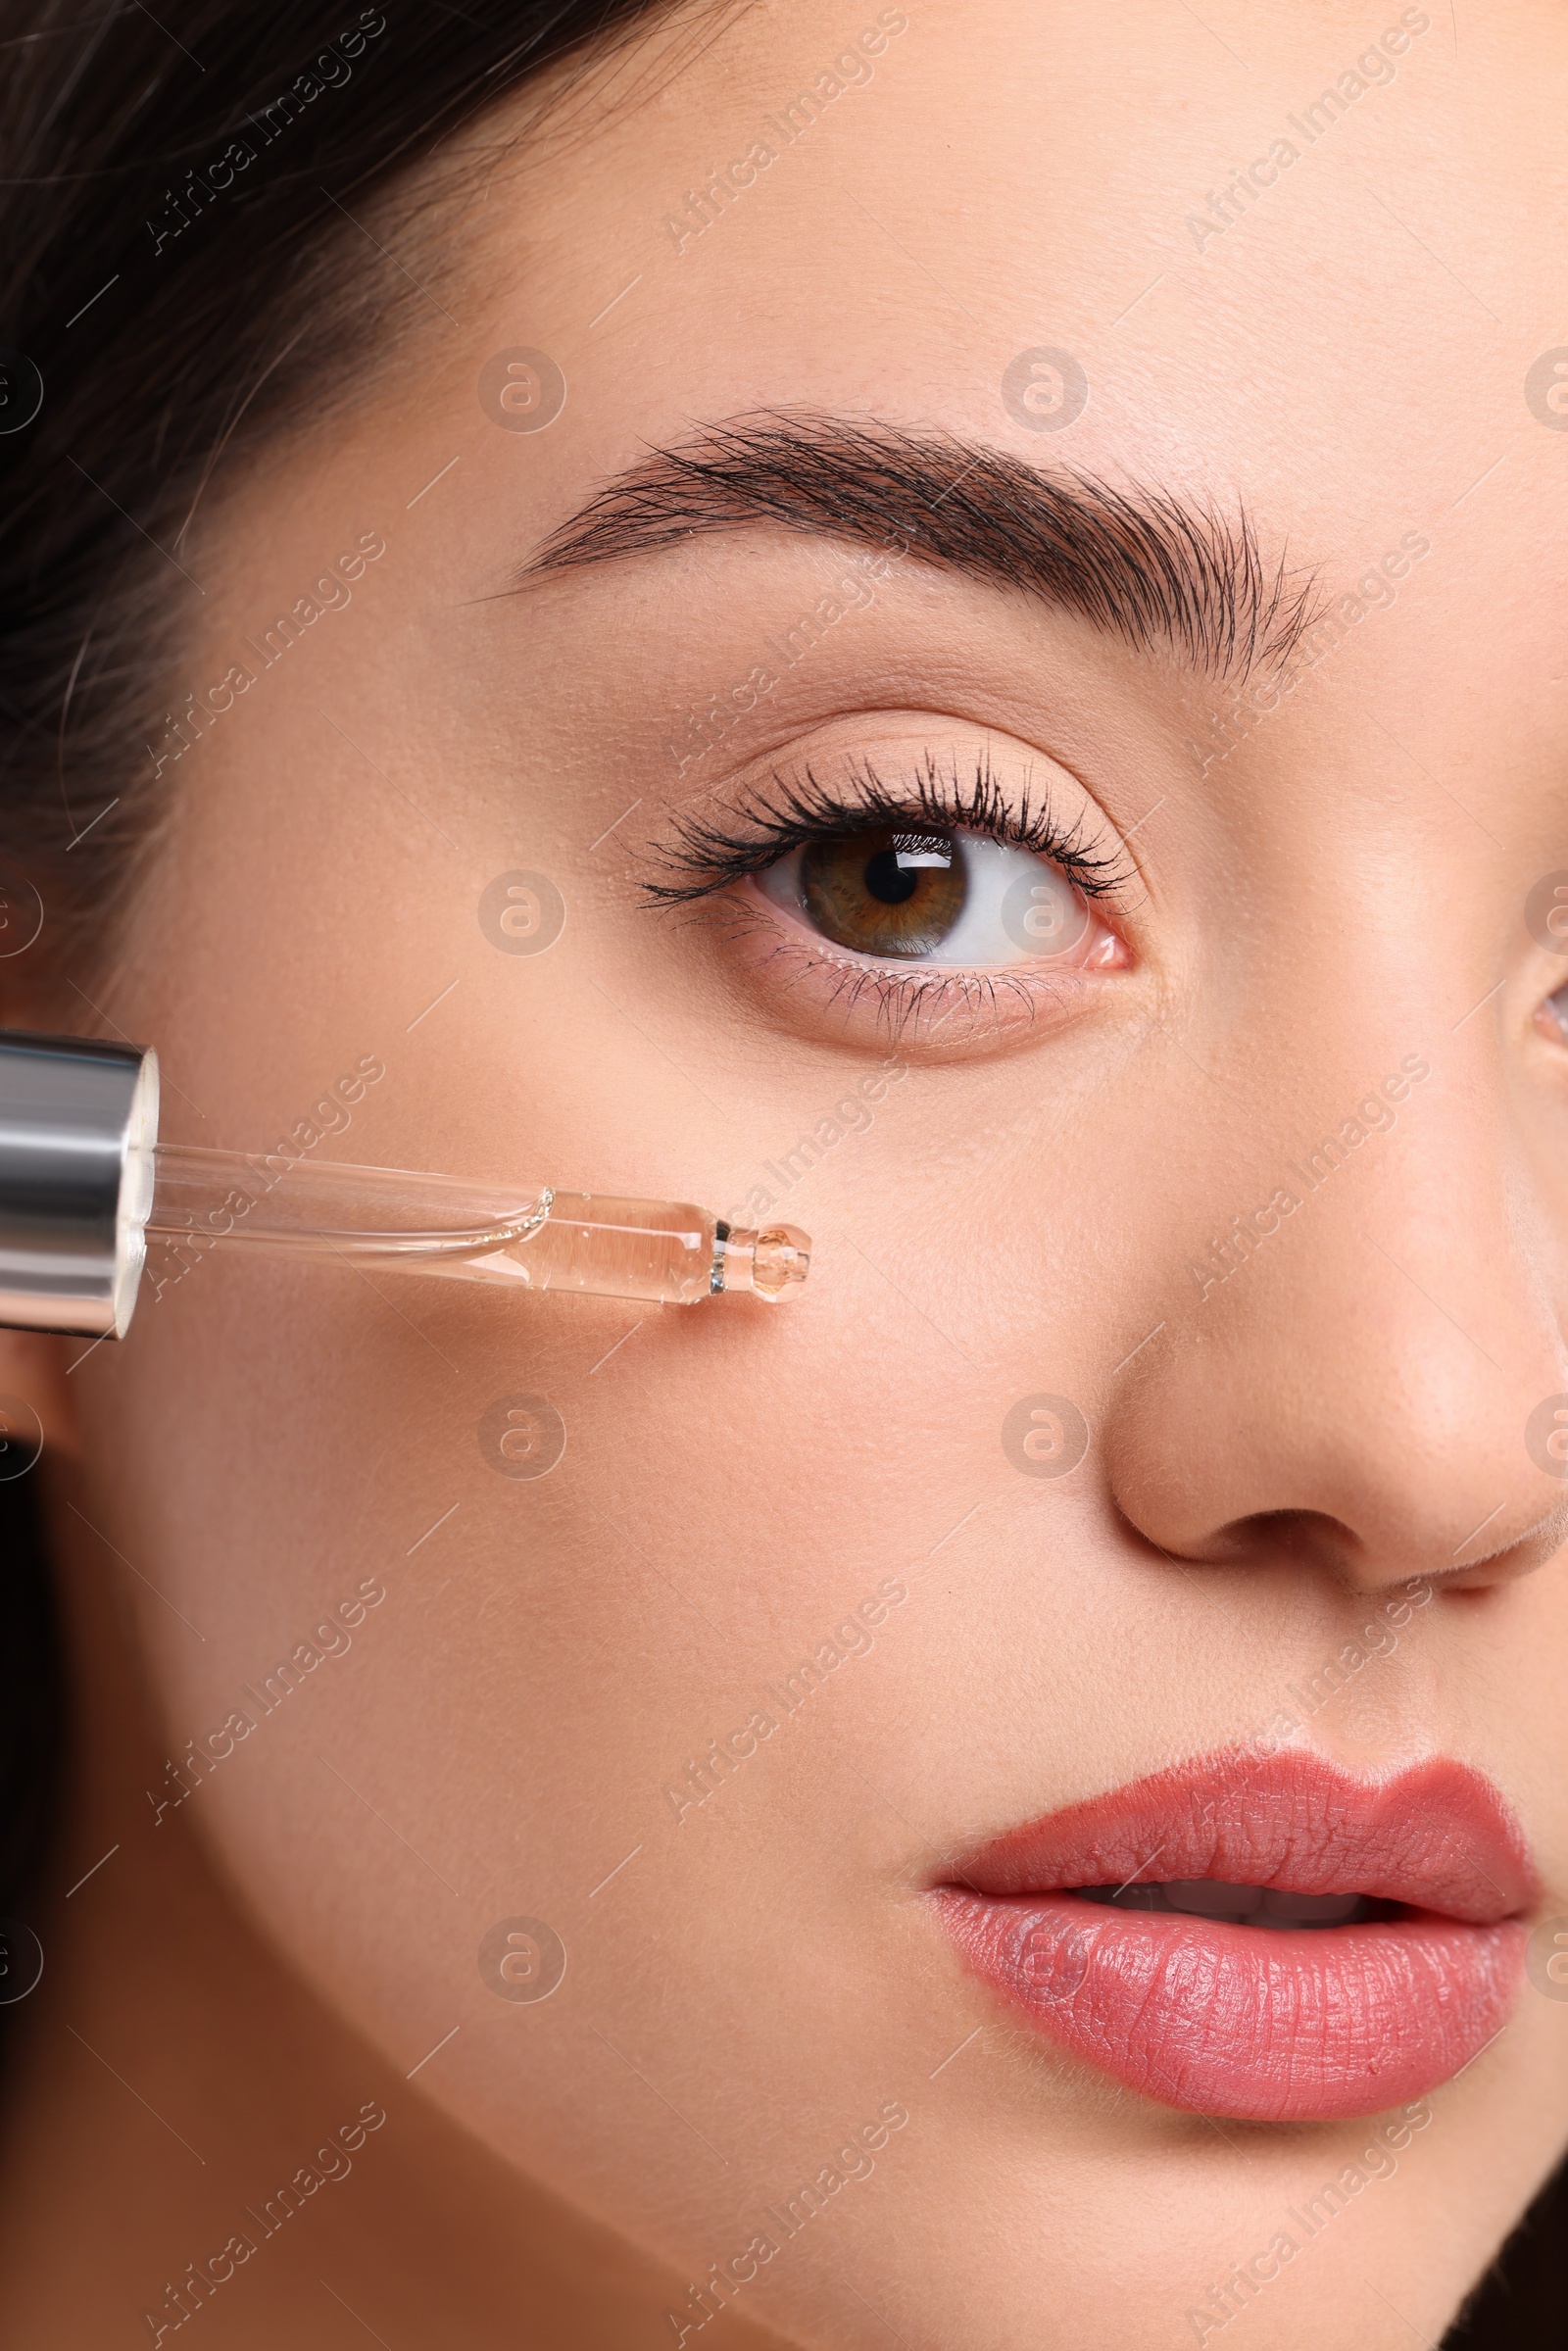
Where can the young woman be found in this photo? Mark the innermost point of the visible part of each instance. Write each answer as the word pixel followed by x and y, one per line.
pixel 938 623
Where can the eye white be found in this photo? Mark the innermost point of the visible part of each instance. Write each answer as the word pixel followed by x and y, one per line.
pixel 1018 906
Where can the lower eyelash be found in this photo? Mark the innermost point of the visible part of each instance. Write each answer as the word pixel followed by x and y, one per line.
pixel 905 1000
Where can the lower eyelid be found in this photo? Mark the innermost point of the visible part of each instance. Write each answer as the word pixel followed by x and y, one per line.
pixel 938 1012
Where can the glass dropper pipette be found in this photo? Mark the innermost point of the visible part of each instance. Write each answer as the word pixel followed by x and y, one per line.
pixel 84 1185
pixel 663 1251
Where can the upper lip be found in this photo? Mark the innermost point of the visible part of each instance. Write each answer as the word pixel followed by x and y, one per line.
pixel 1435 1835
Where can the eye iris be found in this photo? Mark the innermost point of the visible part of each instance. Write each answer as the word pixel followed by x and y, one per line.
pixel 884 893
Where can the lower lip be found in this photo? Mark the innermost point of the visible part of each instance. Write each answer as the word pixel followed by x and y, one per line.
pixel 1275 2026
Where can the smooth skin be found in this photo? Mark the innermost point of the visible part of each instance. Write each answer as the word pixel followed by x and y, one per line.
pixel 754 1978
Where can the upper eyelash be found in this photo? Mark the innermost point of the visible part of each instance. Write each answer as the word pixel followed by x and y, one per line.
pixel 707 854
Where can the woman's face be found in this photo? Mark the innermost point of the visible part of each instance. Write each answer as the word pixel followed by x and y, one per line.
pixel 1153 1047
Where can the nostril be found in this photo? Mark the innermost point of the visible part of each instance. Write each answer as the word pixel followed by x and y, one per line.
pixel 1302 1537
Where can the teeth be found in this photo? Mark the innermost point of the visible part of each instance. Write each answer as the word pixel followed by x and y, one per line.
pixel 1239 1905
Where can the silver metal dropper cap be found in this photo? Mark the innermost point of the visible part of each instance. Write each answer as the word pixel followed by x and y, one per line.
pixel 78 1121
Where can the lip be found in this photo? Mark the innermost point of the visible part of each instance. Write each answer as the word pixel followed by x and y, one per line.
pixel 1290 2025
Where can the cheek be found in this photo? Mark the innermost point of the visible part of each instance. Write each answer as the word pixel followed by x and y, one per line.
pixel 484 1779
pixel 466 1821
pixel 553 1652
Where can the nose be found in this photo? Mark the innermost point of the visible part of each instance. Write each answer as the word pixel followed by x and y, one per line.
pixel 1369 1375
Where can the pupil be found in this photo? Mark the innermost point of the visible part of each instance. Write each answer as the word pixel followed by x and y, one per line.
pixel 887 881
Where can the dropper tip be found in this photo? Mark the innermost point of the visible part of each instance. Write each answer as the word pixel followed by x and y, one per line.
pixel 771 1264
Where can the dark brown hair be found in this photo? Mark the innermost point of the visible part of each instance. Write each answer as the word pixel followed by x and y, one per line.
pixel 177 280
pixel 178 274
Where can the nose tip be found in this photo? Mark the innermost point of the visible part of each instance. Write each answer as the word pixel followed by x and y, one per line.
pixel 1375 1404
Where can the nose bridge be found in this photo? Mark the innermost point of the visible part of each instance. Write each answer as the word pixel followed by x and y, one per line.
pixel 1372 1334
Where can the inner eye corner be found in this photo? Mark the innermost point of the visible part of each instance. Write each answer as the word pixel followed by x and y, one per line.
pixel 1550 1015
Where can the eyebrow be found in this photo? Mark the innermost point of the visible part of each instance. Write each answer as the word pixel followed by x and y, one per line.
pixel 1145 566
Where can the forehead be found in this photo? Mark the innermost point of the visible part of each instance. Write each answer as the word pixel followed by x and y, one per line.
pixel 1302 254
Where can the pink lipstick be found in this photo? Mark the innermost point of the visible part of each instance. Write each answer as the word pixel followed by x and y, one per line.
pixel 1266 1937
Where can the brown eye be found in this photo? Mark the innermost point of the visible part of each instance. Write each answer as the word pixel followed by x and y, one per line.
pixel 938 896
pixel 884 893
